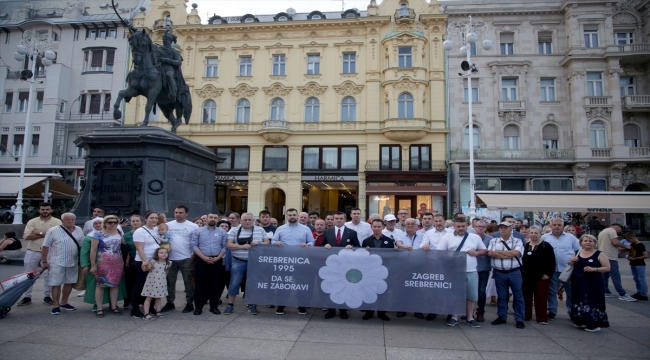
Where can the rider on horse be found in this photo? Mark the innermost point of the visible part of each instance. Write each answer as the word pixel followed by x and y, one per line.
pixel 170 64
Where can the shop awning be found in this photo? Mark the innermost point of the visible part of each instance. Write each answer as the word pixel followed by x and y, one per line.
pixel 566 201
pixel 33 187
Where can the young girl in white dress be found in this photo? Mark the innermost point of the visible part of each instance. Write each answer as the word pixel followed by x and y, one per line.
pixel 156 285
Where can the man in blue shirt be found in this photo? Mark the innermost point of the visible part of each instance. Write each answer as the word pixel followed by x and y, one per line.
pixel 564 246
pixel 292 234
pixel 209 246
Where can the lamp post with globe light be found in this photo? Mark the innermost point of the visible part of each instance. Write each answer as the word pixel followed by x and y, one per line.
pixel 36 47
pixel 470 31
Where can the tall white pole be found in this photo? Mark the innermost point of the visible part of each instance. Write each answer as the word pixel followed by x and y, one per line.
pixel 472 181
pixel 18 214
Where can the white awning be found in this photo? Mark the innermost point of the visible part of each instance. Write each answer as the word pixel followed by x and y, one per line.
pixel 33 187
pixel 566 201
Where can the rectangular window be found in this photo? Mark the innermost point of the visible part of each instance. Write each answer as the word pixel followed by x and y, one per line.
pixel 107 102
pixel 624 38
pixel 545 42
pixel 112 33
pixel 507 41
pixel 95 103
pixel 391 157
pixel 102 33
pixel 23 101
pixel 18 144
pixel 279 65
pixel 4 141
pixel 39 101
pixel 110 59
pixel 92 34
pixel 96 62
pixel 236 158
pixel 62 107
pixel 82 104
pixel 509 89
pixel 211 67
pixel 79 152
pixel 474 91
pixel 420 157
pixel 86 58
pixel 349 63
pixel 550 144
pixel 552 185
pixel 405 56
pixel 9 100
pixel 627 86
pixel 547 90
pixel 597 185
pixel 591 36
pixel 329 157
pixel 35 139
pixel 594 84
pixel 313 64
pixel 276 158
pixel 245 66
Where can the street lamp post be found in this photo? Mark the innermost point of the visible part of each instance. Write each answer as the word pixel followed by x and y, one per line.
pixel 36 47
pixel 470 31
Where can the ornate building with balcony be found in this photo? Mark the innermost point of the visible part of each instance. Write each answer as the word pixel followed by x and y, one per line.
pixel 560 103
pixel 72 96
pixel 321 111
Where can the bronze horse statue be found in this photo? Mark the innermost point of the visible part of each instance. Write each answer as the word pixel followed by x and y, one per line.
pixel 149 76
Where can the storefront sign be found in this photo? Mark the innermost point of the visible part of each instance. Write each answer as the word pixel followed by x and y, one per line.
pixel 381 198
pixel 80 172
pixel 330 178
pixel 364 279
pixel 230 178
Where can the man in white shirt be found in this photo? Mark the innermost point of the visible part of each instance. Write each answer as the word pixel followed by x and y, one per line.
pixel 411 240
pixel 361 227
pixel 427 223
pixel 390 230
pixel 472 245
pixel 180 255
pixel 431 238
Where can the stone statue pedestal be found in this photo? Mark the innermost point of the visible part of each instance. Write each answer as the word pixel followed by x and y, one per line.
pixel 130 170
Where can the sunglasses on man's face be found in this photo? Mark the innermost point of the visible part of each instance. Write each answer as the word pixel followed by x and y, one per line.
pixel 111 222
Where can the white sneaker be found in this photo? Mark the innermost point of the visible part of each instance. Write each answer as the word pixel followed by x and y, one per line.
pixel 610 295
pixel 627 297
pixel 81 294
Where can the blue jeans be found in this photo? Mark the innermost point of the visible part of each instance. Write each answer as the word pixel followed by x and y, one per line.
pixel 638 273
pixel 552 293
pixel 513 281
pixel 616 278
pixel 483 277
pixel 237 273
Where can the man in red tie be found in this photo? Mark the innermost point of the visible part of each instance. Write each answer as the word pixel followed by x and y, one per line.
pixel 339 236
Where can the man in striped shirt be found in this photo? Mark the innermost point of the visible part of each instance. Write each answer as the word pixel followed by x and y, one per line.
pixel 61 251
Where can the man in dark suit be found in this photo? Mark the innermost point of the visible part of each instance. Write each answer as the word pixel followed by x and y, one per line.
pixel 377 240
pixel 339 236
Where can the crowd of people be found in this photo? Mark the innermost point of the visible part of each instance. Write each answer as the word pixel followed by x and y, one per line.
pixel 528 264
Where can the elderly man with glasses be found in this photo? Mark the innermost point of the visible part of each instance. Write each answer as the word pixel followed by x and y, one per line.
pixel 402 215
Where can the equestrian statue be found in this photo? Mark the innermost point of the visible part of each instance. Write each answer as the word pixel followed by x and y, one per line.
pixel 157 76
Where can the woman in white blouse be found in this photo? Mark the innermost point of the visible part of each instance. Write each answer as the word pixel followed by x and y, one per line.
pixel 146 244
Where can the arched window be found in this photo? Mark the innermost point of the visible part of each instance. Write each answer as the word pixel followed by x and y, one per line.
pixel 405 106
pixel 216 21
pixel 511 137
pixel 277 109
pixel 249 20
pixel 550 136
pixel 631 135
pixel 209 112
pixel 597 135
pixel 243 112
pixel 282 18
pixel 312 110
pixel 350 15
pixel 348 109
pixel 477 137
pixel 315 17
pixel 168 20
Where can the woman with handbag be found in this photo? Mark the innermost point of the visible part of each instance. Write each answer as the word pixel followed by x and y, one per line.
pixel 538 266
pixel 588 307
pixel 106 263
pixel 145 247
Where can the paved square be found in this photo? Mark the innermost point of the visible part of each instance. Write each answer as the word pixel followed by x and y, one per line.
pixel 30 332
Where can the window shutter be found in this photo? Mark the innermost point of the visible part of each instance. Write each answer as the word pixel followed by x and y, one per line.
pixel 23 96
pixel 511 130
pixel 82 104
pixel 630 132
pixel 98 56
pixel 9 99
pixel 507 38
pixel 39 95
pixel 35 139
pixel 19 139
pixel 3 142
pixel 107 102
pixel 110 56
pixel 95 103
pixel 545 36
pixel 550 132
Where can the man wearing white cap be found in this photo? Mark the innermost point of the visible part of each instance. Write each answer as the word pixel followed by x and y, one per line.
pixel 390 220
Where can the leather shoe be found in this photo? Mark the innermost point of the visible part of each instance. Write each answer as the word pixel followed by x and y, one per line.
pixel 168 307
pixel 198 312
pixel 343 314
pixel 499 321
pixel 330 314
pixel 419 315
pixel 383 317
pixel 431 317
pixel 367 316
pixel 480 318
pixel 520 325
pixel 188 308
pixel 215 311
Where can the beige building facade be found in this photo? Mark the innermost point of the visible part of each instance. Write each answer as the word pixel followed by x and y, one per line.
pixel 562 100
pixel 321 111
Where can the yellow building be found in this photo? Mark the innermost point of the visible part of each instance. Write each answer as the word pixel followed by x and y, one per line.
pixel 319 111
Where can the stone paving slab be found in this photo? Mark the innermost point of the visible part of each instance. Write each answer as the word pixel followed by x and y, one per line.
pixel 30 332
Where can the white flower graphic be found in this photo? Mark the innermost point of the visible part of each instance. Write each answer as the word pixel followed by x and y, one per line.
pixel 353 277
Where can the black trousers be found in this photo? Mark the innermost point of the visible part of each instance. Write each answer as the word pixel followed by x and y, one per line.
pixel 140 279
pixel 209 279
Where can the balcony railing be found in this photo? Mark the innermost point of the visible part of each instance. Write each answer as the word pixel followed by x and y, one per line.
pixel 102 115
pixel 601 153
pixel 640 152
pixel 405 13
pixel 598 101
pixel 507 154
pixel 636 101
pixel 634 47
pixel 275 124
pixel 405 165
pixel 516 105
